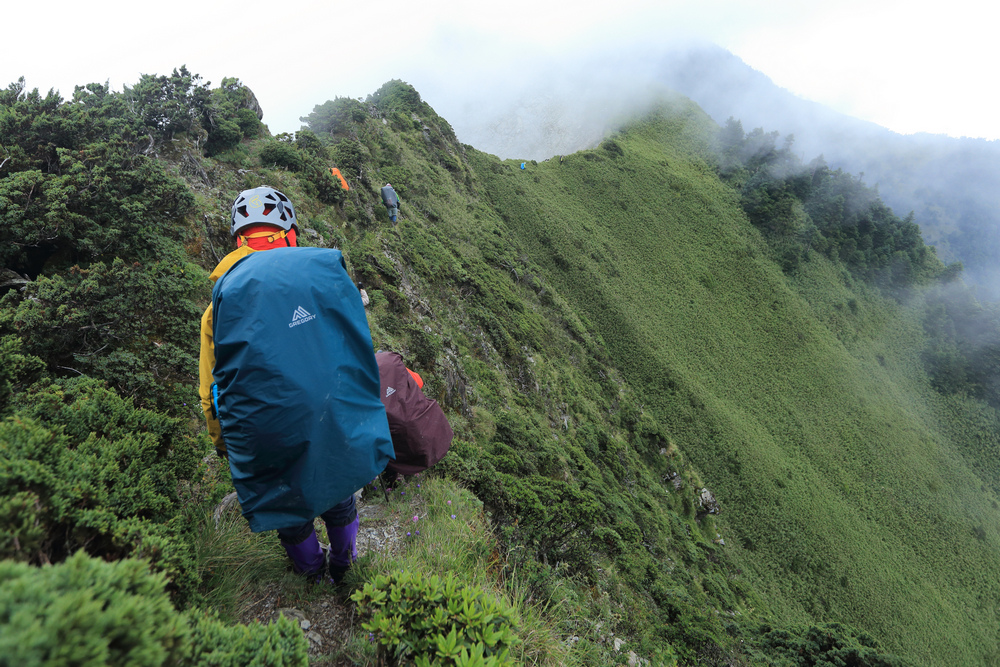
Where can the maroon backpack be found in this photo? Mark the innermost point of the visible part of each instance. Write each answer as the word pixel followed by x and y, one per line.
pixel 421 434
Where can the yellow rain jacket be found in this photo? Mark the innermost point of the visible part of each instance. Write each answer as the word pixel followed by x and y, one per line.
pixel 206 362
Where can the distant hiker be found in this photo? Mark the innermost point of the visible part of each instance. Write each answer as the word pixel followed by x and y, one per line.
pixel 391 201
pixel 421 434
pixel 290 386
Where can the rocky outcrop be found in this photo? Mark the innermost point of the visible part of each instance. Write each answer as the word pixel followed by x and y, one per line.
pixel 249 101
pixel 707 503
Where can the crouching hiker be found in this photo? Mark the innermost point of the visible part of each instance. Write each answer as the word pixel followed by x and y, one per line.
pixel 290 386
pixel 421 434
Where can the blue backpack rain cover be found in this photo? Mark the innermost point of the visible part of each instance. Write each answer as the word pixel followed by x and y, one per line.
pixel 298 386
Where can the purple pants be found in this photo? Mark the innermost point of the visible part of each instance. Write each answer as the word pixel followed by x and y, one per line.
pixel 302 545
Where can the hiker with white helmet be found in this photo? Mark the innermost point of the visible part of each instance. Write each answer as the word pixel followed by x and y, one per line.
pixel 289 384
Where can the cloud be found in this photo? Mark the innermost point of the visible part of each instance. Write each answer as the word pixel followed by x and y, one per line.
pixel 910 68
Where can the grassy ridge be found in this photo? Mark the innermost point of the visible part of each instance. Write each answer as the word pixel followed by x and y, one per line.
pixel 607 334
pixel 800 401
pixel 548 435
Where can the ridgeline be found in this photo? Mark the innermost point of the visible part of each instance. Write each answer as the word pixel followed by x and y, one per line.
pixel 714 406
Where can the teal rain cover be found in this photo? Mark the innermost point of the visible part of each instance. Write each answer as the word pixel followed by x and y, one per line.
pixel 298 385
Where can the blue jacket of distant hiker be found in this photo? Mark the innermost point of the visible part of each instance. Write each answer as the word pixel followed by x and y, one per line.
pixel 297 412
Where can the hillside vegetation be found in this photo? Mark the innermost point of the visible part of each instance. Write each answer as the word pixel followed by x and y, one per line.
pixel 711 406
pixel 950 184
pixel 801 399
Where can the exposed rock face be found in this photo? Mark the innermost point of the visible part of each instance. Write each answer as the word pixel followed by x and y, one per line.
pixel 10 278
pixel 249 101
pixel 708 503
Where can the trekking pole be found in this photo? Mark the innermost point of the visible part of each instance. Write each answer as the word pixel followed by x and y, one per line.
pixel 384 491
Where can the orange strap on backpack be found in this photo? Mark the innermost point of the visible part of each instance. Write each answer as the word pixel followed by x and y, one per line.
pixel 262 237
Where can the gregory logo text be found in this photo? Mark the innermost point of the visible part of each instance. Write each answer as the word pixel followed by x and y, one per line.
pixel 300 316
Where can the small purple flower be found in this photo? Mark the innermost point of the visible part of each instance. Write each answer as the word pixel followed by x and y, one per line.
pixel 418 532
pixel 402 493
pixel 407 534
pixel 415 518
pixel 449 502
pixel 452 516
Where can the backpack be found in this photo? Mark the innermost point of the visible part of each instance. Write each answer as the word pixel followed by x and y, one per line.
pixel 297 385
pixel 389 197
pixel 421 434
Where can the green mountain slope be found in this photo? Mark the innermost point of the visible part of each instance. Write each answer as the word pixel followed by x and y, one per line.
pixel 616 346
pixel 807 416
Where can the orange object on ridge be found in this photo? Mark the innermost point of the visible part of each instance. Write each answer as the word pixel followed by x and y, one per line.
pixel 343 181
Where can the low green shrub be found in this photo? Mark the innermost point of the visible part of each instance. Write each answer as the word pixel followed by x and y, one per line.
pixel 433 621
pixel 282 154
pixel 249 124
pixel 307 142
pixel 89 612
pixel 16 368
pixel 75 323
pixel 225 135
pixel 823 645
pixel 335 116
pixel 280 644
pixel 83 468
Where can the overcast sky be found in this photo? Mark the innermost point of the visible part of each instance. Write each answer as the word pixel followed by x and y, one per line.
pixel 908 66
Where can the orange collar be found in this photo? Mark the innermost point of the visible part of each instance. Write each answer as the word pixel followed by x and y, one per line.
pixel 262 237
